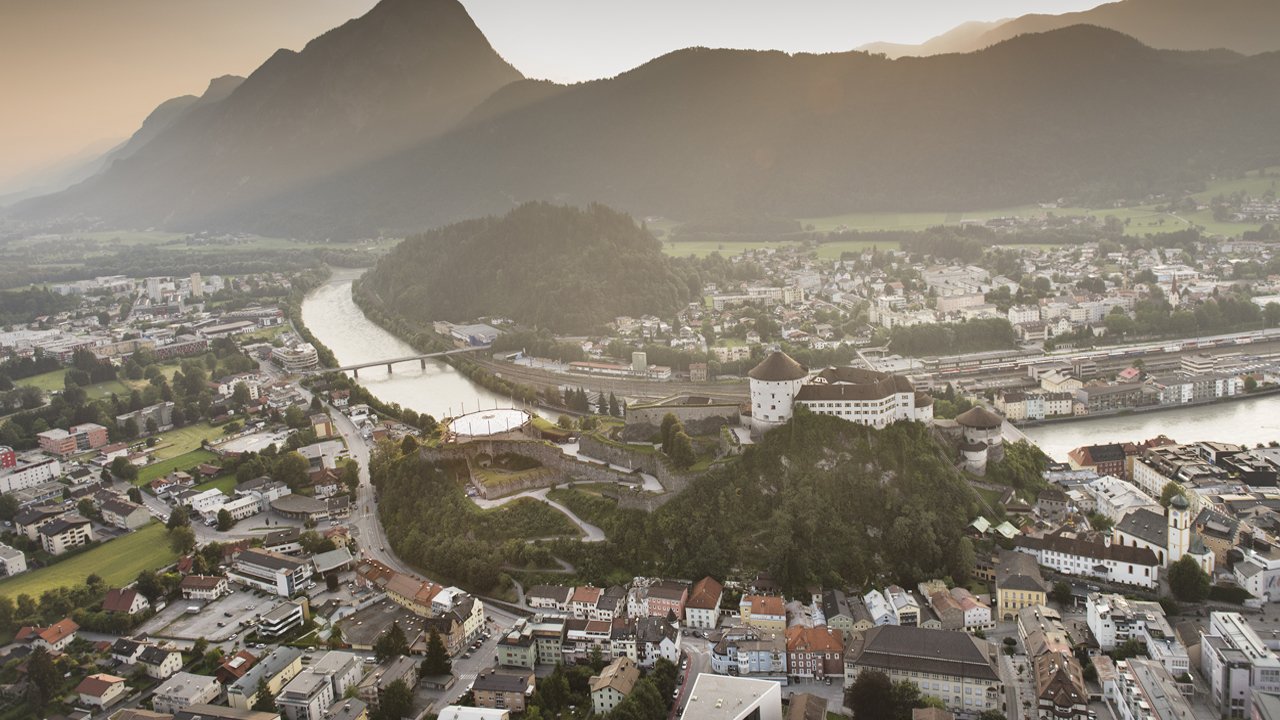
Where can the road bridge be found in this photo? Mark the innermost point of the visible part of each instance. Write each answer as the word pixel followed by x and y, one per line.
pixel 421 359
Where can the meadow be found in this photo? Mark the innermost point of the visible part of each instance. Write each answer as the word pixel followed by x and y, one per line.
pixel 117 562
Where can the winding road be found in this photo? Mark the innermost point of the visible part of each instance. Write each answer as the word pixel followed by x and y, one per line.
pixel 591 533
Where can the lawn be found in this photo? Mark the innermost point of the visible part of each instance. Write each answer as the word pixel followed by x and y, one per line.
pixel 700 248
pixel 117 562
pixel 185 439
pixel 54 381
pixel 164 467
pixel 226 484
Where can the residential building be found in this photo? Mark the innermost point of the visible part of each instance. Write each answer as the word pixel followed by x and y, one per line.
pixel 124 514
pixel 1018 584
pixel 555 598
pixel 67 532
pixel 1144 690
pixel 310 693
pixel 275 573
pixel 296 358
pixel 76 439
pixel 12 561
pixel 376 682
pixel 750 651
pixel 702 609
pixel 959 669
pixel 905 608
pixel 125 600
pixel 716 697
pixel 283 618
pixel 204 587
pixel 1236 662
pixel 503 689
pixel 766 612
pixel 1114 619
pixel 613 685
pixel 457 712
pixel 276 670
pixel 160 663
pixel 864 397
pixel 29 520
pixel 24 473
pixel 814 652
pixel 1060 690
pixel 879 608
pixel 52 639
pixel 184 690
pixel 100 690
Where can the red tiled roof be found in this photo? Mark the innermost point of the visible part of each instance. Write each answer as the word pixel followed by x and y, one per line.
pixel 119 600
pixel 98 684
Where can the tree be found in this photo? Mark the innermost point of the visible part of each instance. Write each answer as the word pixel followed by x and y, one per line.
pixel 396 702
pixel 263 701
pixel 131 430
pixel 351 476
pixel 391 644
pixel 1061 593
pixel 42 676
pixel 1133 647
pixel 437 661
pixel 123 469
pixel 870 695
pixel 182 539
pixel 240 395
pixel 178 517
pixel 1170 489
pixel 9 507
pixel 614 409
pixel 682 453
pixel 292 470
pixel 1188 581
pixel 669 424
pixel 225 521
pixel 135 495
pixel 992 715
pixel 148 583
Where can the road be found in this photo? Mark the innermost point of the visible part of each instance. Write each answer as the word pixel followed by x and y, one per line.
pixel 591 533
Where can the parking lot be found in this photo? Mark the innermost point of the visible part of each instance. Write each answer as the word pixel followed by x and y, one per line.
pixel 362 628
pixel 216 621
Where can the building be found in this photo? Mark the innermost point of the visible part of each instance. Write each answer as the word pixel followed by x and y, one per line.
pixel 1236 662
pixel 555 598
pixel 184 690
pixel 702 609
pixel 1102 560
pixel 67 532
pixel 457 712
pixel 52 639
pixel 1019 585
pixel 716 697
pixel 1114 619
pixel 204 587
pixel 749 651
pixel 276 669
pixel 959 669
pixel 310 693
pixel 864 397
pixel 1107 459
pixel 29 520
pixel 766 612
pixel 774 385
pixel 1060 690
pixel 1144 690
pixel 125 600
pixel 503 689
pixel 76 439
pixel 12 561
pixel 100 690
pixel 159 662
pixel 275 573
pixel 124 514
pixel 905 609
pixel 403 669
pixel 613 685
pixel 158 416
pixel 1169 535
pixel 24 474
pixel 283 618
pixel 814 652
pixel 296 358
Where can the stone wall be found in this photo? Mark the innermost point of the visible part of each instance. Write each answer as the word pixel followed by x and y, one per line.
pixel 653 463
pixel 563 468
pixel 653 414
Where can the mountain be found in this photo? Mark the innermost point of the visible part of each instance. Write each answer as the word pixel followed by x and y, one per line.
pixel 392 124
pixel 556 267
pixel 709 133
pixel 1245 26
pixel 169 112
pixel 403 73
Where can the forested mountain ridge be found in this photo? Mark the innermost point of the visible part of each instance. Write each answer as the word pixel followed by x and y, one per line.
pixel 551 266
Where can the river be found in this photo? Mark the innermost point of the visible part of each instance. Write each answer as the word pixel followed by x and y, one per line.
pixel 439 389
pixel 1247 422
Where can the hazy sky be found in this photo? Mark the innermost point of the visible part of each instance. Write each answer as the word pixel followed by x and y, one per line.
pixel 77 74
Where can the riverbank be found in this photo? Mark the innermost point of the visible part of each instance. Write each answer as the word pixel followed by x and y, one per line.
pixel 1061 420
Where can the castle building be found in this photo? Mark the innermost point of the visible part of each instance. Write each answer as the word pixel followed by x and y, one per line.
pixel 861 396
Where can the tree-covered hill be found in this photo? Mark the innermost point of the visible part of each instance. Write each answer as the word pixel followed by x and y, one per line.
pixel 563 268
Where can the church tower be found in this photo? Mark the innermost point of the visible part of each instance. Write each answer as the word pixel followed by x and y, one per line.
pixel 1179 519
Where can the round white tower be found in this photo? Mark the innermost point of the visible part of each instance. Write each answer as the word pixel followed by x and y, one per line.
pixel 774 384
pixel 1179 519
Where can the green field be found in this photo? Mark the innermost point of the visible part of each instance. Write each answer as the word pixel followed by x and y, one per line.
pixel 55 381
pixel 117 562
pixel 184 440
pixel 184 462
pixel 827 251
pixel 226 484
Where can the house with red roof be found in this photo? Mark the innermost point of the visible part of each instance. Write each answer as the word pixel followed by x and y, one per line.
pixel 125 600
pixel 100 690
pixel 54 638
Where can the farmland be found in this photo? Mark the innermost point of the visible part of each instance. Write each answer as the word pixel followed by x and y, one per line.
pixel 117 562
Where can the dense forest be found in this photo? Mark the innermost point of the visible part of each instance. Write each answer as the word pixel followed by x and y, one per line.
pixel 820 500
pixel 561 268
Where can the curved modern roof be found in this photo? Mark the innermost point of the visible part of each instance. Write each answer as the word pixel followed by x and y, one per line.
pixel 778 367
